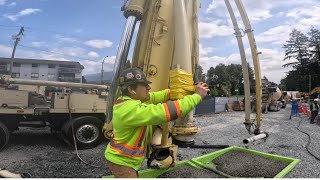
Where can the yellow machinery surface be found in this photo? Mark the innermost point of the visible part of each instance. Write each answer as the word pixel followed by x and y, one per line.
pixel 167 50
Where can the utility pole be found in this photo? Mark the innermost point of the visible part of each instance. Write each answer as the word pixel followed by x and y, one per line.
pixel 102 71
pixel 309 83
pixel 17 38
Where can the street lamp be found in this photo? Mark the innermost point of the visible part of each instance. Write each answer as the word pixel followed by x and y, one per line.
pixel 102 69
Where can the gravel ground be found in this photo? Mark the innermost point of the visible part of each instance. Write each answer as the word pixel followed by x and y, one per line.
pixel 43 155
pixel 244 164
pixel 189 172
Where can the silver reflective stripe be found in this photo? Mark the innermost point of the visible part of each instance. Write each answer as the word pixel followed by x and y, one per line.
pixel 125 150
pixel 172 110
pixel 142 136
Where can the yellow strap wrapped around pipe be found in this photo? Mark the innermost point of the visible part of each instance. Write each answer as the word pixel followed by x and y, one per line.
pixel 181 83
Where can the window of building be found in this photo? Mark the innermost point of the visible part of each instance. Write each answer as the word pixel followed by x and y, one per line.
pixel 34 75
pixel 67 66
pixel 51 66
pixel 15 75
pixel 15 64
pixel 35 65
pixel 51 76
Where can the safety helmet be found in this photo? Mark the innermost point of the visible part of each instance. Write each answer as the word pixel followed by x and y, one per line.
pixel 132 76
pixel 316 100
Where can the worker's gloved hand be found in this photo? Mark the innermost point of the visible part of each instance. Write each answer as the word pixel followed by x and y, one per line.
pixel 202 89
pixel 107 130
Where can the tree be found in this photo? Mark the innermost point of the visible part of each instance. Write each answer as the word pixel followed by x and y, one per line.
pixel 226 80
pixel 297 48
pixel 199 76
pixel 306 50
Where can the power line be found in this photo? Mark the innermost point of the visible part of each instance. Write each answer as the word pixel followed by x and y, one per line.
pixel 35 29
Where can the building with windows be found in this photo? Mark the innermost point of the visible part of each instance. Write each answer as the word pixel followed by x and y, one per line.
pixel 47 70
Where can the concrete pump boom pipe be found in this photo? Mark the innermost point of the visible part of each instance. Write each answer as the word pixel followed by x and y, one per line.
pixel 4 80
pixel 255 138
pixel 255 59
pixel 120 62
pixel 244 64
pixel 182 55
pixel 133 12
pixel 7 174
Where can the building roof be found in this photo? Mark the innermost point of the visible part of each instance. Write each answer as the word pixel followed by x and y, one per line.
pixel 42 61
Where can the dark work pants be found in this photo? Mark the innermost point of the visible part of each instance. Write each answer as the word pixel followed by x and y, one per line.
pixel 313 116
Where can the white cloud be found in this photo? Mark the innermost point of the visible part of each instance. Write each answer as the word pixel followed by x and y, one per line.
pixel 92 67
pixel 5 51
pixel 93 54
pixel 303 18
pixel 100 44
pixel 207 62
pixel 38 44
pixel 214 29
pixel 3 2
pixel 257 10
pixel 79 30
pixel 204 51
pixel 63 39
pixel 275 35
pixel 24 12
pixel 271 62
pixel 12 4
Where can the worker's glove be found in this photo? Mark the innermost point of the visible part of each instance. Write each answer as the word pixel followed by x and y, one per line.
pixel 107 130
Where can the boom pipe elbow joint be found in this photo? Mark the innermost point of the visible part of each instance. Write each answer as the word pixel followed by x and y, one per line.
pixel 262 135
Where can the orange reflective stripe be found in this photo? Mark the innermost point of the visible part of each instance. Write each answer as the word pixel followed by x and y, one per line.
pixel 119 102
pixel 142 137
pixel 172 109
pixel 139 139
pixel 176 103
pixel 166 109
pixel 120 148
pixel 127 145
pixel 168 94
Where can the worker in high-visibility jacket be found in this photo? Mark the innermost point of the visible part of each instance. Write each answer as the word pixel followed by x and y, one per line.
pixel 314 108
pixel 134 113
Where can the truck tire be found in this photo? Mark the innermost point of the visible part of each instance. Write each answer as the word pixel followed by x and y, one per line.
pixel 4 135
pixel 87 131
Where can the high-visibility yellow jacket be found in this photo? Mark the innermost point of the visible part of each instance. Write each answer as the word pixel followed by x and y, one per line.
pixel 314 107
pixel 132 124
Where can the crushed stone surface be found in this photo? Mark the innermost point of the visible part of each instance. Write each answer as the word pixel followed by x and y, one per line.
pixel 189 172
pixel 43 155
pixel 244 164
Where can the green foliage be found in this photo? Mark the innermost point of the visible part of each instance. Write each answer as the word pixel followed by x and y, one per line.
pixel 306 50
pixel 225 80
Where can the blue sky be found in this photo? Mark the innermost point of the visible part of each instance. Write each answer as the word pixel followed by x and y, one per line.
pixel 89 30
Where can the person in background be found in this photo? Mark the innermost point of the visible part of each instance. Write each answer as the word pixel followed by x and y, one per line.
pixel 134 113
pixel 314 108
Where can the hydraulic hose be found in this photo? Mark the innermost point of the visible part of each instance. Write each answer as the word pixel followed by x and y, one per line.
pixel 309 140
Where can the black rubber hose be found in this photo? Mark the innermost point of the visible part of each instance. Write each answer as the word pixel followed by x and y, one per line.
pixel 309 140
pixel 209 146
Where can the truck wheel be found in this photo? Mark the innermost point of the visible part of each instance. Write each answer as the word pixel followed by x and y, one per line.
pixel 87 131
pixel 4 135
